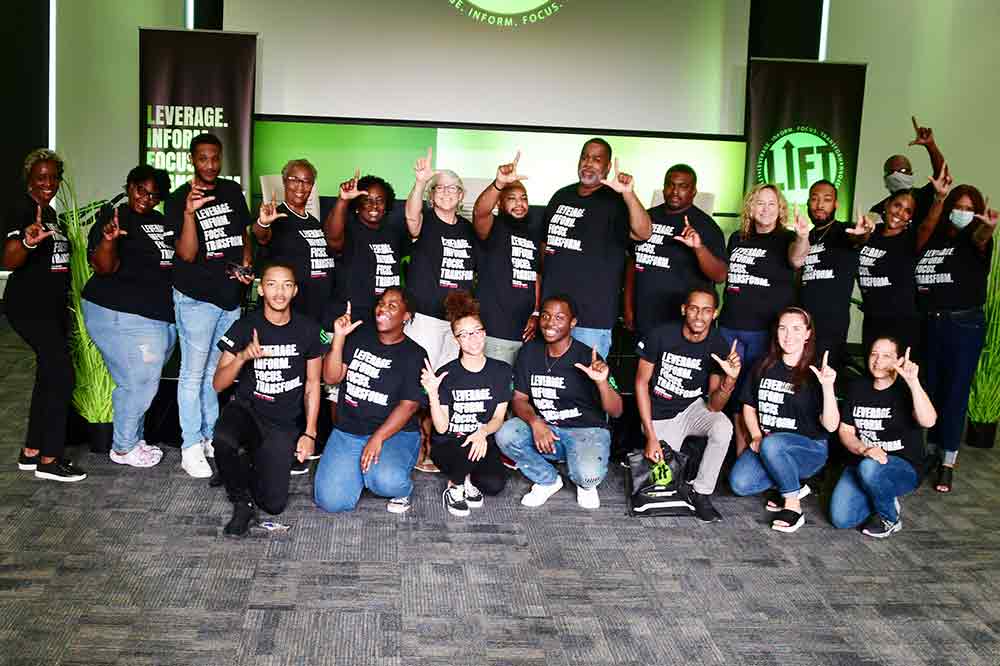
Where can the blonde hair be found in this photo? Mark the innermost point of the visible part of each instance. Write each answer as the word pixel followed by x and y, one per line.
pixel 42 155
pixel 746 221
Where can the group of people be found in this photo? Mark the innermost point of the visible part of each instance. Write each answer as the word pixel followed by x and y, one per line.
pixel 512 310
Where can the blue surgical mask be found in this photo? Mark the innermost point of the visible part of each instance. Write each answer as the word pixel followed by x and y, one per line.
pixel 897 180
pixel 961 218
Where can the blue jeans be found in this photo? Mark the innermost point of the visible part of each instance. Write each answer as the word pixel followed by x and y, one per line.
pixel 785 459
pixel 585 451
pixel 134 349
pixel 953 343
pixel 339 479
pixel 751 346
pixel 871 487
pixel 199 327
pixel 594 337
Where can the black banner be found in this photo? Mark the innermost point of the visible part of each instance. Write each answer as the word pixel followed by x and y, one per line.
pixel 803 125
pixel 194 81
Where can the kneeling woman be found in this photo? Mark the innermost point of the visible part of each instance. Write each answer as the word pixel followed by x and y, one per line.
pixel 786 415
pixel 883 417
pixel 468 402
pixel 377 438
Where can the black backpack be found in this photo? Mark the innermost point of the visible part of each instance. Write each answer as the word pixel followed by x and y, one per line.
pixel 658 489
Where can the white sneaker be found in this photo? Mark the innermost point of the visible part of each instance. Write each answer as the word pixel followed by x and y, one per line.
pixel 206 444
pixel 588 498
pixel 139 456
pixel 540 494
pixel 398 505
pixel 155 451
pixel 193 462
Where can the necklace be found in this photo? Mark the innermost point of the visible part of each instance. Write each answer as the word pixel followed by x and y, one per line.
pixel 826 230
pixel 548 367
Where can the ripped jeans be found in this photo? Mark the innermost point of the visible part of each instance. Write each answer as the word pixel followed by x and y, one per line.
pixel 585 451
pixel 134 349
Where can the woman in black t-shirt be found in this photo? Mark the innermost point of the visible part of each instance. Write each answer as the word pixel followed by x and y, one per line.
pixel 37 253
pixel 883 417
pixel 128 308
pixel 468 401
pixel 951 290
pixel 788 413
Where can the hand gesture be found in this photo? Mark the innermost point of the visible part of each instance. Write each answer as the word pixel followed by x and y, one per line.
pixel 304 448
pixel 507 173
pixel 370 454
pixel 989 218
pixel 530 329
pixel 942 184
pixel 597 370
pixel 800 224
pixel 349 188
pixel 863 227
pixel 252 350
pixel 906 368
pixel 477 445
pixel 924 135
pixel 654 451
pixel 343 326
pixel 878 454
pixel 423 170
pixel 269 211
pixel 196 199
pixel 755 444
pixel 689 236
pixel 544 438
pixel 825 374
pixel 245 277
pixel 36 232
pixel 429 380
pixel 732 364
pixel 620 182
pixel 111 230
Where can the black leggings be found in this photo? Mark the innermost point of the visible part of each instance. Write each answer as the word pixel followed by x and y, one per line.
pixel 254 457
pixel 53 390
pixel 488 474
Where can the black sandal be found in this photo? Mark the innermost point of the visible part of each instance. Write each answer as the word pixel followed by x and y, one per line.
pixel 943 484
pixel 793 521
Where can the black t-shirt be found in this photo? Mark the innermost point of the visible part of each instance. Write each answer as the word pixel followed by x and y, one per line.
pixel 666 269
pixel 508 265
pixel 300 242
pixel 760 282
pixel 378 377
pixel 142 284
pixel 952 272
pixel 370 262
pixel 221 224
pixel 886 273
pixel 275 384
pixel 885 418
pixel 680 367
pixel 41 283
pixel 442 259
pixel 829 272
pixel 471 397
pixel 562 394
pixel 783 408
pixel 924 198
pixel 586 240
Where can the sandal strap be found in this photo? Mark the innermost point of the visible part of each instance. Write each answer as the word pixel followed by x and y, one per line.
pixel 786 516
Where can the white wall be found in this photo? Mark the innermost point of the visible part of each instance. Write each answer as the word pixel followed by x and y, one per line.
pixel 97 87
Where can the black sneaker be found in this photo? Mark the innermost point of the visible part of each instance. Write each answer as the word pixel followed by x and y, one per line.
pixel 244 517
pixel 59 470
pixel 473 496
pixel 454 500
pixel 299 468
pixel 702 506
pixel 880 528
pixel 27 463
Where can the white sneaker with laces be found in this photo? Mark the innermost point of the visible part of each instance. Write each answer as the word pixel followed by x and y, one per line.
pixel 588 498
pixel 473 496
pixel 193 462
pixel 137 457
pixel 154 450
pixel 540 494
pixel 206 444
pixel 398 505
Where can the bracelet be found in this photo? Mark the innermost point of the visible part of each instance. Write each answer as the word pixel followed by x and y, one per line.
pixel 499 189
pixel 262 225
pixel 312 437
pixel 26 246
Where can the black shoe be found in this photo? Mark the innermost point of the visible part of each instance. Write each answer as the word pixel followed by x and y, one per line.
pixel 454 500
pixel 59 470
pixel 703 506
pixel 27 463
pixel 473 496
pixel 880 528
pixel 244 516
pixel 299 468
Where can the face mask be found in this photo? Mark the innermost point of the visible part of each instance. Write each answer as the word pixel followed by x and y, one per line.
pixel 897 181
pixel 961 218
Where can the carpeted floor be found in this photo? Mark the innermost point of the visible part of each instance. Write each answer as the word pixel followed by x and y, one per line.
pixel 129 567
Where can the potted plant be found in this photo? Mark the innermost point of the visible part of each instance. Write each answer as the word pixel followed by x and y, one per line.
pixel 984 399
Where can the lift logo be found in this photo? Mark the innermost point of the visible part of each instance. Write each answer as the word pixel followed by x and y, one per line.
pixel 508 14
pixel 796 157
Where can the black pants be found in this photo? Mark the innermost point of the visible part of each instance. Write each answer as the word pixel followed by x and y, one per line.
pixel 45 333
pixel 488 474
pixel 831 336
pixel 254 456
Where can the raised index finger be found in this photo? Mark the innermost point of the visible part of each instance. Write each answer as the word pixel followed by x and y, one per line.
pixel 732 350
pixel 593 355
pixel 430 153
pixel 348 311
pixel 517 158
pixel 916 125
pixel 826 357
pixel 906 356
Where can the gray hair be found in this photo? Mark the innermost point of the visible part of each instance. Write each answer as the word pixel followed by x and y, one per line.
pixel 42 155
pixel 432 183
pixel 303 162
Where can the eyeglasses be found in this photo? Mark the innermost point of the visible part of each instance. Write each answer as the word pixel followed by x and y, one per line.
pixel 474 333
pixel 142 193
pixel 449 189
pixel 295 180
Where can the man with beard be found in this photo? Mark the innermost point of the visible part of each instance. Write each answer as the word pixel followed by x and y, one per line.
pixel 898 173
pixel 509 261
pixel 589 225
pixel 830 269
pixel 687 250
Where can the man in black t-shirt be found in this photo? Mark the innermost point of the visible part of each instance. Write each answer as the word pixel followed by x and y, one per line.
pixel 277 356
pixel 687 249
pixel 898 173
pixel 509 259
pixel 589 224
pixel 679 366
